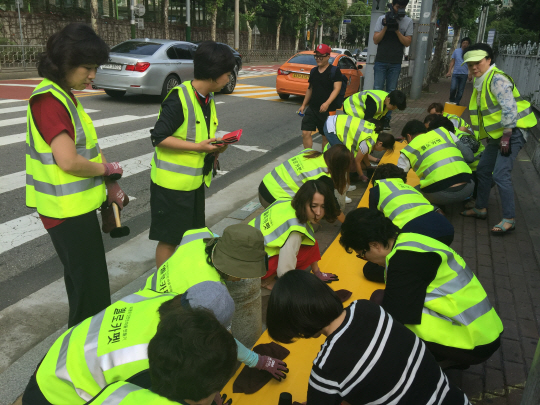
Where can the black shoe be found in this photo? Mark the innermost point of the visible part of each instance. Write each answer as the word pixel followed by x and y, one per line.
pixel 386 125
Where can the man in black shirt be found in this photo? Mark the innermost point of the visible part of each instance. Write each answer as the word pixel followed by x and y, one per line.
pixel 391 41
pixel 323 89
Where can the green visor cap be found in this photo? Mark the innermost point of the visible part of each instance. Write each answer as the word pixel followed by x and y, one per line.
pixel 240 252
pixel 474 56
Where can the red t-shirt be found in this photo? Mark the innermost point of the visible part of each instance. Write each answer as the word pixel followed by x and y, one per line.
pixel 51 119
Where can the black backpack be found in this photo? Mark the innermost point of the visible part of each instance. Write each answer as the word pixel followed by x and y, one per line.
pixel 338 102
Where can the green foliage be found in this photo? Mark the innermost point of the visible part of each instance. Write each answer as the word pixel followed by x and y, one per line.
pixel 359 26
pixel 526 14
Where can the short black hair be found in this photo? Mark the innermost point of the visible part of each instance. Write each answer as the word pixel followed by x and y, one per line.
pixel 75 45
pixel 212 60
pixel 379 125
pixel 482 47
pixel 305 195
pixel 441 122
pixel 387 140
pixel 413 128
pixel 400 2
pixel 388 171
pixel 465 39
pixel 438 107
pixel 430 117
pixel 191 355
pixel 363 226
pixel 300 306
pixel 399 99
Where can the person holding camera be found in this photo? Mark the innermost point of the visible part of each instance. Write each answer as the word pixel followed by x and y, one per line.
pixel 393 32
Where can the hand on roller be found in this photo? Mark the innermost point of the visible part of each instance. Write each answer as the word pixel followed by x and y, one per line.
pixel 276 367
pixel 116 195
pixel 220 400
pixel 326 277
pixel 113 170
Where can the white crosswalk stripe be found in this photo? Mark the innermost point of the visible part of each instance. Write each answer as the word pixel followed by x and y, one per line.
pixel 11 101
pixel 256 92
pixel 22 120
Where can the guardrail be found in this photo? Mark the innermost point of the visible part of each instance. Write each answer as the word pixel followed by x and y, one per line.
pixel 17 57
pixel 261 55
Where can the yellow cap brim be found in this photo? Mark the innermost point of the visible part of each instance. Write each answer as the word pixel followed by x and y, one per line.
pixel 474 56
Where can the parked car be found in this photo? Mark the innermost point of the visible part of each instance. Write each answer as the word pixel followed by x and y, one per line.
pixel 229 88
pixel 148 66
pixel 363 55
pixel 293 75
pixel 343 51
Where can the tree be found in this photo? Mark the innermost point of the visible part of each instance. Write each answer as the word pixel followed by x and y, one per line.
pixel 359 25
pixel 213 7
pixel 526 14
pixel 251 9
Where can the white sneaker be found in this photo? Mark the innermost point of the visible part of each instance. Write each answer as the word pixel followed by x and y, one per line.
pixel 347 200
pixel 351 188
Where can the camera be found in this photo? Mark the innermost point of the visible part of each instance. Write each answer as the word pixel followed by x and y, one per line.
pixel 392 18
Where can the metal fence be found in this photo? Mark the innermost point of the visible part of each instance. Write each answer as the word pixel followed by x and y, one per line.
pixel 404 81
pixel 17 57
pixel 262 55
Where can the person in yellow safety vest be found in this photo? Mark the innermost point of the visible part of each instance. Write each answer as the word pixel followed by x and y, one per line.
pixel 186 149
pixel 407 208
pixel 361 137
pixel 374 104
pixel 436 157
pixel 238 254
pixel 284 181
pixel 429 289
pixel 139 339
pixel 287 227
pixel 67 176
pixel 500 114
pixel 457 121
pixel 466 139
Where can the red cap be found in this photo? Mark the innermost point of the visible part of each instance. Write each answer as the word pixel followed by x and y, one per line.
pixel 323 48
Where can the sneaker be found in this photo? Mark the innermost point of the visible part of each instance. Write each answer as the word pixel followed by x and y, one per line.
pixel 386 126
pixel 351 188
pixel 347 200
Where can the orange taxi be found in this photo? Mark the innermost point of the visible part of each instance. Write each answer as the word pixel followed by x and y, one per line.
pixel 293 75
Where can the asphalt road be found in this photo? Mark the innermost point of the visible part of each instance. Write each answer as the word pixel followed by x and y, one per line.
pixel 28 261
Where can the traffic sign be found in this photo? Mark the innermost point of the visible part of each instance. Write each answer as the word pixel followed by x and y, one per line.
pixel 346 21
pixel 19 3
pixel 256 30
pixel 139 10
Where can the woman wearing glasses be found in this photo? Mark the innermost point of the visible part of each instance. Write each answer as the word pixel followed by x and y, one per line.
pixel 429 288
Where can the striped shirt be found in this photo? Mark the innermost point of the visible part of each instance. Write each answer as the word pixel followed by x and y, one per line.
pixel 372 359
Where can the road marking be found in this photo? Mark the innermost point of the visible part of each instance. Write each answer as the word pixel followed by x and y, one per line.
pixel 9 100
pixel 219 102
pixel 246 148
pixel 22 120
pixel 270 98
pixel 13 109
pixel 35 85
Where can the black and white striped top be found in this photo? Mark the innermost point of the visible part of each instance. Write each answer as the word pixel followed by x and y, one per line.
pixel 372 359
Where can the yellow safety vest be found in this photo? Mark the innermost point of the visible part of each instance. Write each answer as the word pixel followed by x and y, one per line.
pixel 182 169
pixel 400 202
pixel 352 131
pixel 434 157
pixel 276 224
pixel 355 105
pixel 486 119
pixel 186 267
pixel 285 180
pixel 51 190
pixel 110 346
pixel 474 164
pixel 456 120
pixel 457 311
pixel 123 393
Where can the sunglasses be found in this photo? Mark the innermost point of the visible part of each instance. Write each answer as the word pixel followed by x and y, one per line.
pixel 321 56
pixel 362 254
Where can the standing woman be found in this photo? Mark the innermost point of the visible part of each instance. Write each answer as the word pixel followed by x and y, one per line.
pixel 287 227
pixel 67 176
pixel 501 115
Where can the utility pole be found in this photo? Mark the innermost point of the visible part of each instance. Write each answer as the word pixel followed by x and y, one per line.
pixel 421 48
pixel 378 8
pixel 482 24
pixel 132 22
pixel 236 24
pixel 188 20
pixel 19 5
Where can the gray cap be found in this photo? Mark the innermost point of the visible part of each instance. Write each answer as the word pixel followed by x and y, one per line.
pixel 213 296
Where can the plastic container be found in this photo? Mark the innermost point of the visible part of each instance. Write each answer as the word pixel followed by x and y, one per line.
pixel 454 109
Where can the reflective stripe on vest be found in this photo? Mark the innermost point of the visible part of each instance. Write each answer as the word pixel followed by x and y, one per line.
pixel 125 393
pixel 351 131
pixel 425 161
pixel 284 181
pixel 486 120
pixel 178 169
pixel 457 121
pixel 176 273
pixel 474 164
pixel 355 105
pixel 98 365
pixel 52 191
pixel 276 235
pixel 401 210
pixel 455 297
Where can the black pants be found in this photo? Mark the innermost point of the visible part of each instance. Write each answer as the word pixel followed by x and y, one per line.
pixel 79 246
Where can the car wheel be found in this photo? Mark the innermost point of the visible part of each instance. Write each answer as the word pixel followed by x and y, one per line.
pixel 229 88
pixel 115 93
pixel 283 96
pixel 170 82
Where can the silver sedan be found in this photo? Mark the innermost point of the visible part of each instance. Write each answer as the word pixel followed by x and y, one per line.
pixel 146 66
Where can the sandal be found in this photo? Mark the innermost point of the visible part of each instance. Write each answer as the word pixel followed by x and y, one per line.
pixel 503 230
pixel 476 214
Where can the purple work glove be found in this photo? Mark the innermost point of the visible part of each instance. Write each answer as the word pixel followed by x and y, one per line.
pixel 220 400
pixel 116 195
pixel 274 366
pixel 326 277
pixel 505 146
pixel 107 219
pixel 364 178
pixel 113 170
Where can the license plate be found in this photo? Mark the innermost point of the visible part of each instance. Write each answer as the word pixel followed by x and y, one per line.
pixel 300 76
pixel 111 66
